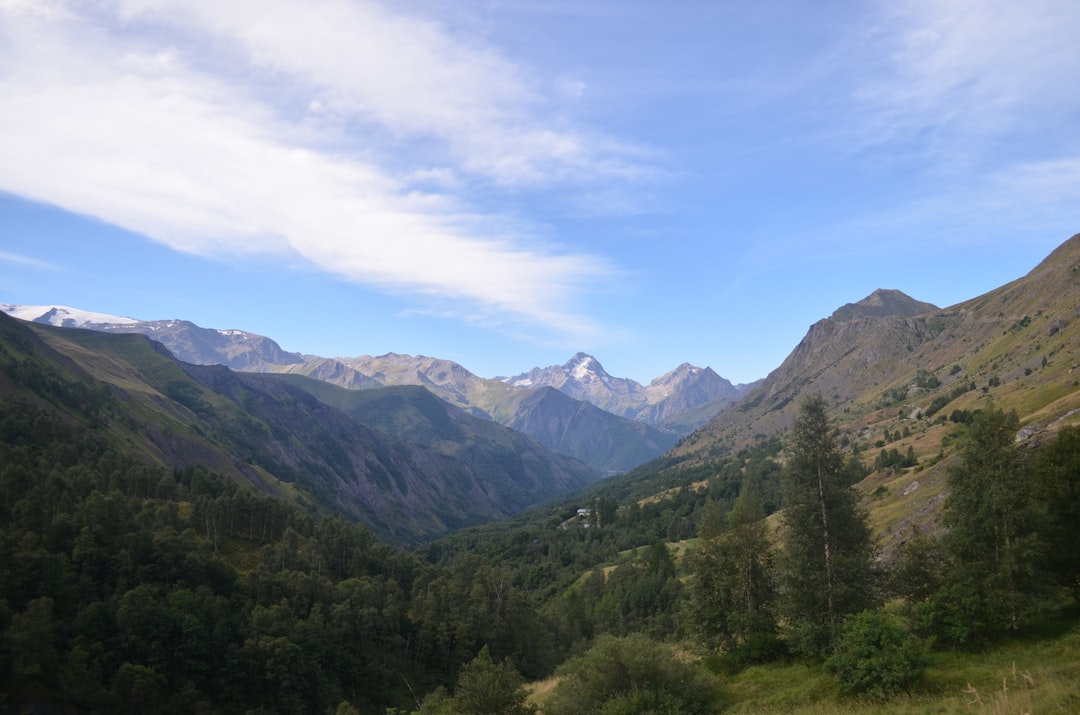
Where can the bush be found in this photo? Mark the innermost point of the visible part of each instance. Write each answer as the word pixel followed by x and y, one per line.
pixel 632 674
pixel 489 688
pixel 875 657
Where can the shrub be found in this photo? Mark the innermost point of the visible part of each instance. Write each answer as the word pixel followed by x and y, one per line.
pixel 875 657
pixel 489 688
pixel 632 674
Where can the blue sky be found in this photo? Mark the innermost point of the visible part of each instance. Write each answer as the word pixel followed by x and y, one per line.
pixel 506 183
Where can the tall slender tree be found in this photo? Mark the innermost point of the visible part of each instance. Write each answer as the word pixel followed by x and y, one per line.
pixel 734 595
pixel 995 541
pixel 1058 491
pixel 826 566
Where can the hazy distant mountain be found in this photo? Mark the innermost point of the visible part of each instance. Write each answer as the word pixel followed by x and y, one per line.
pixel 604 441
pixel 675 403
pixel 237 349
pixel 568 426
pixel 62 316
pixel 584 378
pixel 683 390
pixel 447 379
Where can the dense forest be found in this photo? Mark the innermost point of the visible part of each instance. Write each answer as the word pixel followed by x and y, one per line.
pixel 126 587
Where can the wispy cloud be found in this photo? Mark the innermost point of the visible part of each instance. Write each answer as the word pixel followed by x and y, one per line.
pixel 15 258
pixel 967 70
pixel 243 127
pixel 962 103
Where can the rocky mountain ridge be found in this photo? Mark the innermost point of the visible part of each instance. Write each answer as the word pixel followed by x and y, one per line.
pixel 670 406
pixel 906 382
pixel 675 392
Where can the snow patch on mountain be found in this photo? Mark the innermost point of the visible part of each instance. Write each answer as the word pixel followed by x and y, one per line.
pixel 63 316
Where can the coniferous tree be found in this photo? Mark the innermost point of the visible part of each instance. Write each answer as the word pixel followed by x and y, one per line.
pixel 998 553
pixel 1058 490
pixel 826 566
pixel 733 589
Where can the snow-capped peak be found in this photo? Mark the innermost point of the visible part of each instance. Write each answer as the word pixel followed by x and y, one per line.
pixel 62 316
pixel 583 367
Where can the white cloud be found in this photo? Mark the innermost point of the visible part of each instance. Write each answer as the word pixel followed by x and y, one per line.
pixel 971 69
pixel 132 113
pixel 402 73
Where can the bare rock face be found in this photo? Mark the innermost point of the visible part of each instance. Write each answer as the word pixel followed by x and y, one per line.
pixel 236 349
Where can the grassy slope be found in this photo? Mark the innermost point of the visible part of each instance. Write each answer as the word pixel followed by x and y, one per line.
pixel 1031 675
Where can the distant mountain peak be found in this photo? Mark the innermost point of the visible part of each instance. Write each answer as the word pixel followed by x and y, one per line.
pixel 680 373
pixel 63 316
pixel 883 302
pixel 583 365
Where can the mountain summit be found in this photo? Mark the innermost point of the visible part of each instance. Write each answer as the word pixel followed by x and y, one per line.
pixel 584 378
pixel 883 302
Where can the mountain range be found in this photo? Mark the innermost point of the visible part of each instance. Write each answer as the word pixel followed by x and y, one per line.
pixel 632 425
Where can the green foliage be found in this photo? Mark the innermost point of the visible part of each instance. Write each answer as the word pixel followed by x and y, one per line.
pixel 1014 675
pixel 966 417
pixel 926 380
pixel 733 590
pixel 1057 491
pixel 894 396
pixel 936 405
pixel 996 540
pixel 892 459
pixel 826 566
pixel 629 675
pixel 145 613
pixel 488 688
pixel 875 658
pixel 639 594
pixel 918 570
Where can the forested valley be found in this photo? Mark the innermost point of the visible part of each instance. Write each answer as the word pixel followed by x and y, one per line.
pixel 127 587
